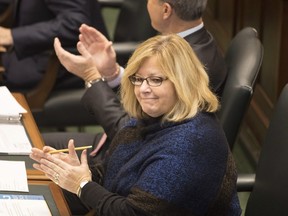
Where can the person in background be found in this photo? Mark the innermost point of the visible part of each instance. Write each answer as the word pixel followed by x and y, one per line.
pixel 170 158
pixel 29 41
pixel 183 17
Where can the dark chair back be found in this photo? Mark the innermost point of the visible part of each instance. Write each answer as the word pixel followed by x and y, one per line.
pixel 243 59
pixel 270 191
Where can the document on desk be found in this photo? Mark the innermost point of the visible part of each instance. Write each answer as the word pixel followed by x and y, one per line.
pixel 22 205
pixel 14 139
pixel 13 176
pixel 10 109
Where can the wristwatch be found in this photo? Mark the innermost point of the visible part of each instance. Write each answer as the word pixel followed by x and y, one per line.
pixel 82 184
pixel 88 84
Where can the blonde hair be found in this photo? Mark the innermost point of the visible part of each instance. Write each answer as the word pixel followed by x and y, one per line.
pixel 181 66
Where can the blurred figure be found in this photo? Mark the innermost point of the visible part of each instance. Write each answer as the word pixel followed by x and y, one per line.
pixel 29 41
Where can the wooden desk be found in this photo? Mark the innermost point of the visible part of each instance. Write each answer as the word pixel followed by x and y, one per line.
pixel 34 135
pixel 29 123
pixel 35 138
pixel 38 183
pixel 53 195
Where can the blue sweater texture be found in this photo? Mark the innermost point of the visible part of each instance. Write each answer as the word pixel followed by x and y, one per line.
pixel 174 169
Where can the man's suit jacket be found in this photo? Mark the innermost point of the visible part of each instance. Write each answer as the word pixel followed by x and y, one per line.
pixel 206 49
pixel 103 104
pixel 36 24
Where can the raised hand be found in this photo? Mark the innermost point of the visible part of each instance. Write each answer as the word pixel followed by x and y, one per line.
pixel 100 49
pixel 80 65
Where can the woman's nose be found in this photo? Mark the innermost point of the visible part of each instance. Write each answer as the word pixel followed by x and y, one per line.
pixel 144 86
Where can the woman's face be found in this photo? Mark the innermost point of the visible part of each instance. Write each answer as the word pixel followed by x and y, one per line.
pixel 158 100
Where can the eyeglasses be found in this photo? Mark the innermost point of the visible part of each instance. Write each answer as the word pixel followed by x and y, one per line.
pixel 153 81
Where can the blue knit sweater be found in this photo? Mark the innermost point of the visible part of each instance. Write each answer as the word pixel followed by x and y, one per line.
pixel 167 169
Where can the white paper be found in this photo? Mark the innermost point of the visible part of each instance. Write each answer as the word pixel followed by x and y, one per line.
pixel 14 139
pixel 9 107
pixel 23 205
pixel 13 176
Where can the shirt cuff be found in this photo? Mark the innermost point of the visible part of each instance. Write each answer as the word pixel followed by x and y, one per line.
pixel 116 82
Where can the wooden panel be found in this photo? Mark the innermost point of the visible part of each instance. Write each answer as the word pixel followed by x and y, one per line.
pixel 220 21
pixel 271 41
pixel 258 114
pixel 224 19
pixel 283 71
pixel 248 17
pixel 273 74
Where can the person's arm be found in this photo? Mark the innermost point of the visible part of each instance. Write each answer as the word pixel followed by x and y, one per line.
pixel 160 189
pixel 97 197
pixel 76 178
pixel 67 17
pixel 104 105
pixel 100 100
pixel 115 83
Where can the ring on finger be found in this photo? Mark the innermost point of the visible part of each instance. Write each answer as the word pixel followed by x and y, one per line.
pixel 56 178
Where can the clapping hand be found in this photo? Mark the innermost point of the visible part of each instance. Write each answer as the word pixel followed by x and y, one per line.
pixel 100 49
pixel 97 57
pixel 80 65
pixel 70 158
pixel 66 171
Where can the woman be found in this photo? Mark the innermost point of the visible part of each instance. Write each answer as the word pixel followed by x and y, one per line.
pixel 172 158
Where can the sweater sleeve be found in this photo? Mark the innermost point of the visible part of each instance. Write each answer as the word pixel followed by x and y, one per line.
pixel 107 203
pixel 101 102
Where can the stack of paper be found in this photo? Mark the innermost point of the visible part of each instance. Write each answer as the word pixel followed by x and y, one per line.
pixel 13 178
pixel 22 205
pixel 10 109
pixel 13 137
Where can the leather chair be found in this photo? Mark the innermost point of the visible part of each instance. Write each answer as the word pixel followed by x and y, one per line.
pixel 269 195
pixel 63 108
pixel 243 58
